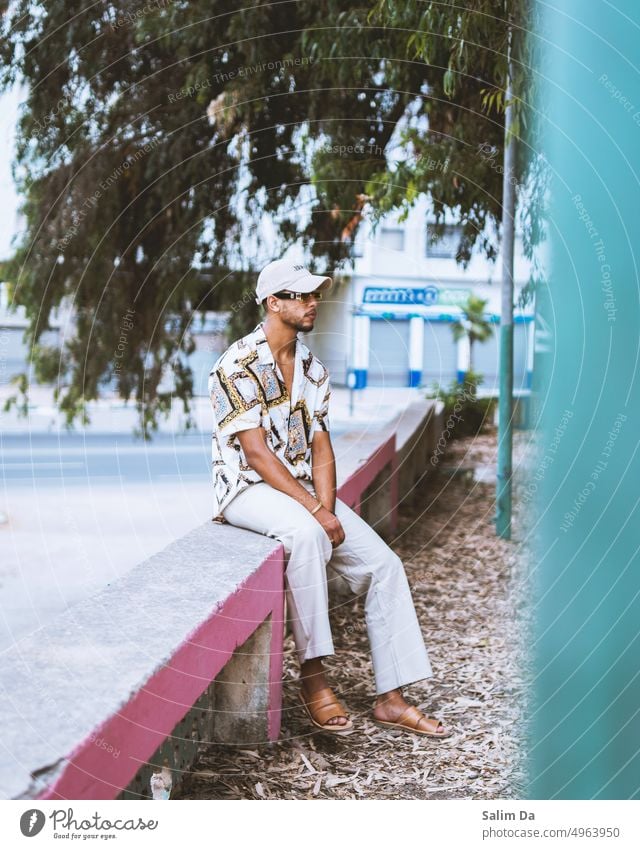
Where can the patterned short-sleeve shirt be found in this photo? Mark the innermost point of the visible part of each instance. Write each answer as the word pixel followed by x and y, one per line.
pixel 247 390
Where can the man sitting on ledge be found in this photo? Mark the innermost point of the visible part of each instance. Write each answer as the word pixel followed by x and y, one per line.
pixel 274 473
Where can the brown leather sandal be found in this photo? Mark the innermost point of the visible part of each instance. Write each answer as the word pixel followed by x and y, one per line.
pixel 323 706
pixel 410 720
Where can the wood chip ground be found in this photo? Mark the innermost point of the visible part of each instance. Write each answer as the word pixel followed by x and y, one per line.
pixel 470 590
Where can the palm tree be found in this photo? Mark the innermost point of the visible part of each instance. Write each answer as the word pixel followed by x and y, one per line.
pixel 474 325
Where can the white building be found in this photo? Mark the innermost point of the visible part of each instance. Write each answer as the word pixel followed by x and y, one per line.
pixel 390 322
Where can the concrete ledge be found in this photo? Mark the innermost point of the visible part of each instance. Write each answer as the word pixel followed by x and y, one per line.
pixel 88 699
pixel 367 479
pixel 418 429
pixel 388 467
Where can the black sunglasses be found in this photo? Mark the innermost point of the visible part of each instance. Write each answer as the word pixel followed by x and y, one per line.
pixel 299 296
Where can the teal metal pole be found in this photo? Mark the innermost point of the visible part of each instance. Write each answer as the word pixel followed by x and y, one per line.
pixel 505 400
pixel 584 738
pixel 505 433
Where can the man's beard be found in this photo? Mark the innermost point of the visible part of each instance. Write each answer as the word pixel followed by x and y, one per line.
pixel 300 325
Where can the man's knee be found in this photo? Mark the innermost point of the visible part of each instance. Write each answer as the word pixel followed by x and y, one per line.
pixel 389 567
pixel 309 533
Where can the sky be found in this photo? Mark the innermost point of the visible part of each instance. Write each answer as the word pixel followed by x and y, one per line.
pixel 9 221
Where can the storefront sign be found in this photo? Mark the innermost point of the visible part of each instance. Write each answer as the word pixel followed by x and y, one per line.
pixel 410 296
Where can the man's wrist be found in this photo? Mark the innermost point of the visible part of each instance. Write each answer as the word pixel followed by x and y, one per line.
pixel 318 506
pixel 327 501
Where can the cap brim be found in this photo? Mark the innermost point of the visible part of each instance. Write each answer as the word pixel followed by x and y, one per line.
pixel 310 283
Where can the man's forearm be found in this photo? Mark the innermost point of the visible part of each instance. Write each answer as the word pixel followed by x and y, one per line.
pixel 323 472
pixel 275 473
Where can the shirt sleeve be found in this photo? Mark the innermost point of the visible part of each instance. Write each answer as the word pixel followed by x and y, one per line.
pixel 321 415
pixel 234 398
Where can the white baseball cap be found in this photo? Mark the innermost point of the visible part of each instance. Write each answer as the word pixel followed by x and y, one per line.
pixel 286 274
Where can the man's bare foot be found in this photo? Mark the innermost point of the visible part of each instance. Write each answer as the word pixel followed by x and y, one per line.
pixel 390 706
pixel 312 679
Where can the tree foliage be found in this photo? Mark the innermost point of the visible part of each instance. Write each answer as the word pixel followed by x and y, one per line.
pixel 156 141
pixel 474 326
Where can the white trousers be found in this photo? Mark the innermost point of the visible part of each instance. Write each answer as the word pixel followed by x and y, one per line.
pixel 367 563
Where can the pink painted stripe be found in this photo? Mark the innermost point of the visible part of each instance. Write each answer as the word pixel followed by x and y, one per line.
pixel 152 713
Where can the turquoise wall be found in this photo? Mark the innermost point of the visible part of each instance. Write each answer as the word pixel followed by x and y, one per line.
pixel 585 727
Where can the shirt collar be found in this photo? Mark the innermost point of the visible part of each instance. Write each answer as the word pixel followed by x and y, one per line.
pixel 265 357
pixel 262 345
pixel 264 351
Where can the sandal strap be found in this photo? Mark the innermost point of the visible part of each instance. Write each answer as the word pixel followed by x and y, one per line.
pixel 412 717
pixel 324 706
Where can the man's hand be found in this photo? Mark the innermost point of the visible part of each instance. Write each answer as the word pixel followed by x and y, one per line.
pixel 323 471
pixel 273 471
pixel 331 524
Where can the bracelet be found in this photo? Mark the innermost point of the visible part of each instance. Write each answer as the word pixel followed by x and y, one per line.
pixel 317 507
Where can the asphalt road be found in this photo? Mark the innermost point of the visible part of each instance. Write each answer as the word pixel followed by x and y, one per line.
pixel 102 458
pixel 77 512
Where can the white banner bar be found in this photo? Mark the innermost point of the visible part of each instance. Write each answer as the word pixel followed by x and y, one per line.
pixel 456 823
